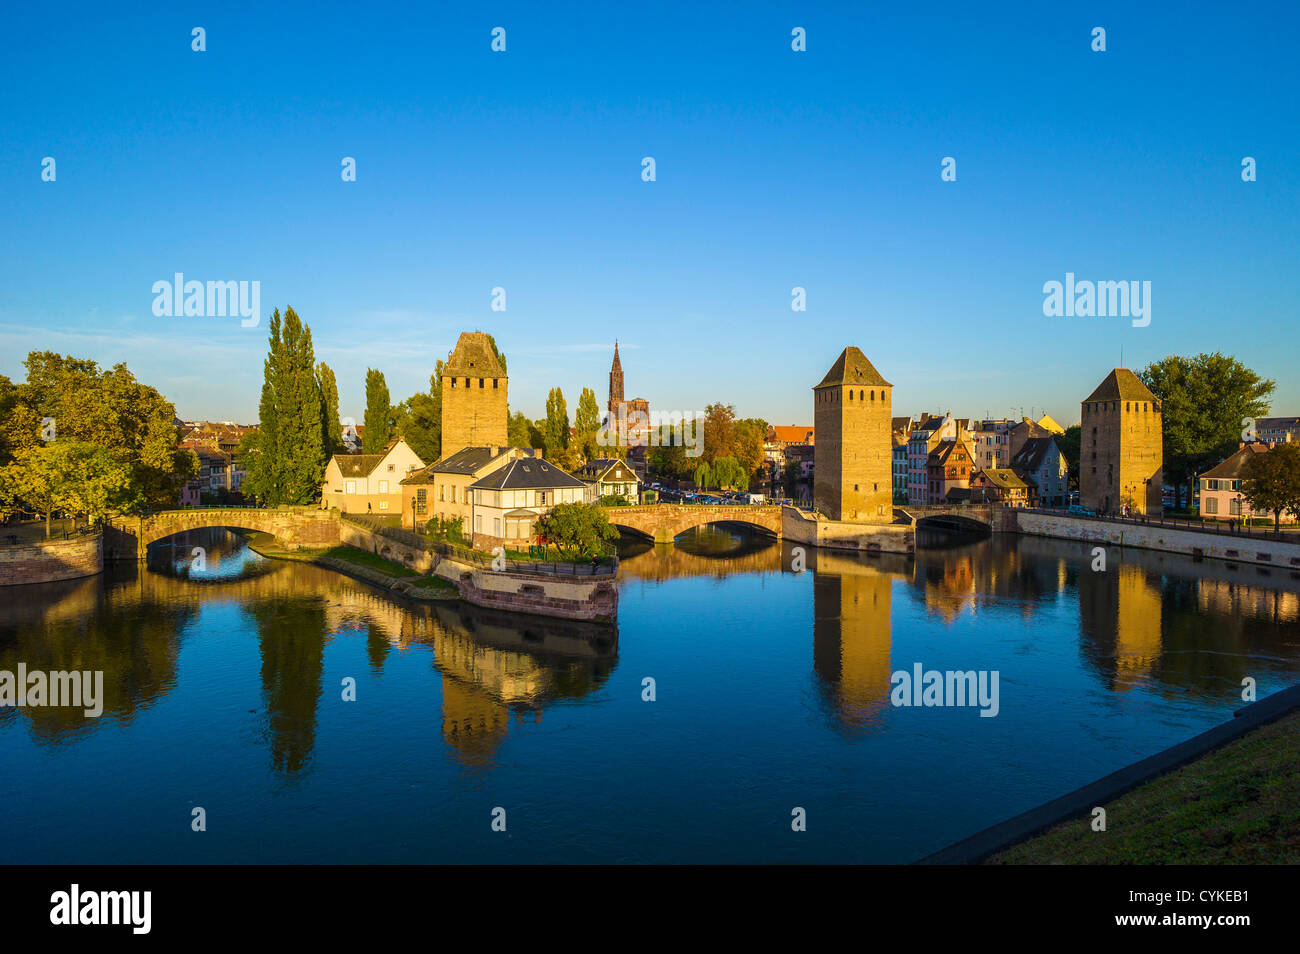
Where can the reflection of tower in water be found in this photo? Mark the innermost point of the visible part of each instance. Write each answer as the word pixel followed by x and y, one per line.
pixel 1137 625
pixel 852 637
pixel 1121 614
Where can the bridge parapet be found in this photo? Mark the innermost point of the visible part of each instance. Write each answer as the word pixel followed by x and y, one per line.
pixel 663 522
pixel 294 527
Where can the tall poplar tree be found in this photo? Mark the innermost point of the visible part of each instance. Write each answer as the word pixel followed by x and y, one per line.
pixel 302 431
pixel 556 432
pixel 379 413
pixel 286 459
pixel 329 408
pixel 586 423
pixel 261 449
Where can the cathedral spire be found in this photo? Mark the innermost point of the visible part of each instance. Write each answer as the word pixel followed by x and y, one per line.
pixel 615 383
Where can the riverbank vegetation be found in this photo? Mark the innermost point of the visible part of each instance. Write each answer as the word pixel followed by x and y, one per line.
pixel 1233 806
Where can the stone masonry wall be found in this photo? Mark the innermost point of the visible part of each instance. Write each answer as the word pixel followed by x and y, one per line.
pixel 55 560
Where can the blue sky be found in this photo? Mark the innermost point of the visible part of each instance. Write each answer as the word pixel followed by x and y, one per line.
pixel 775 169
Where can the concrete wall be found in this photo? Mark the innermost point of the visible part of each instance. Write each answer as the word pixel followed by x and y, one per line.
pixel 55 560
pixel 800 527
pixel 1285 555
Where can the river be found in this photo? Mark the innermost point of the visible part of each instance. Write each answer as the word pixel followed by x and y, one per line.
pixel 225 686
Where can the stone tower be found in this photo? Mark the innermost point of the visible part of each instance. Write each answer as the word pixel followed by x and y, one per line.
pixel 473 396
pixel 853 447
pixel 615 384
pixel 1120 447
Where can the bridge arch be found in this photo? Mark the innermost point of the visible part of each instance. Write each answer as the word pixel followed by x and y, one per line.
pixel 129 537
pixel 953 522
pixel 663 523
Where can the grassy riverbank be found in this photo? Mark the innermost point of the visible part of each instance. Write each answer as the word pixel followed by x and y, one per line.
pixel 368 566
pixel 1237 805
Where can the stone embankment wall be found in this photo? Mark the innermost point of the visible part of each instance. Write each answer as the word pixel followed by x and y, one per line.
pixel 816 530
pixel 1155 536
pixel 590 598
pixel 47 561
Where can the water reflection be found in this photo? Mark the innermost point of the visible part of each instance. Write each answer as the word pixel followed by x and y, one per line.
pixel 1152 621
pixel 1181 627
pixel 206 555
pixel 130 623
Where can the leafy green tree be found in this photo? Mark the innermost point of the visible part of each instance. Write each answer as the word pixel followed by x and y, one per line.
pixel 379 413
pixel 329 409
pixel 521 432
pixel 704 478
pixel 71 476
pixel 1070 444
pixel 729 473
pixel 495 350
pixel 285 460
pixel 419 419
pixel 586 424
pixel 106 408
pixel 671 462
pixel 719 431
pixel 1271 482
pixel 577 529
pixel 1204 400
pixel 750 434
pixel 555 433
pixel 98 484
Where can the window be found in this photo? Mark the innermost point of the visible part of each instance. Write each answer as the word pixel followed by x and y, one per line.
pixel 350 487
pixel 496 527
pixel 391 468
pixel 480 384
pixel 478 523
pixel 1234 506
pixel 453 384
pixel 421 500
pixel 442 494
pixel 467 382
pixel 383 505
pixel 383 486
pixel 494 383
pixel 1211 505
pixel 850 395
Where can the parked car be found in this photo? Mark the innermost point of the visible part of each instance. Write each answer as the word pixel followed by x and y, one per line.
pixel 1080 511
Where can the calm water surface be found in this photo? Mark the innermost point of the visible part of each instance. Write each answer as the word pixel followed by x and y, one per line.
pixel 224 690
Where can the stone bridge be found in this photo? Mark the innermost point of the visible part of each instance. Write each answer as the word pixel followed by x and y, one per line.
pixel 954 516
pixel 127 538
pixel 663 522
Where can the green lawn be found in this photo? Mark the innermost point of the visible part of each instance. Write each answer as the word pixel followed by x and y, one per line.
pixel 1238 805
pixel 365 558
pixel 433 583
